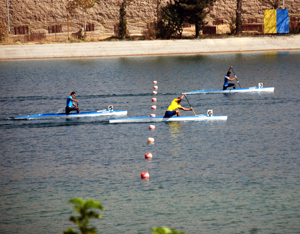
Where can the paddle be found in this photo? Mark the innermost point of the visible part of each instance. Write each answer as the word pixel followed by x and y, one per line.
pixel 190 104
pixel 236 78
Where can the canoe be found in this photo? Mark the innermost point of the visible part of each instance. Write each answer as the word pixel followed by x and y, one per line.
pixel 173 119
pixel 241 90
pixel 73 115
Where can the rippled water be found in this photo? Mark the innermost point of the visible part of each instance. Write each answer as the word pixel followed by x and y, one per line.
pixel 236 176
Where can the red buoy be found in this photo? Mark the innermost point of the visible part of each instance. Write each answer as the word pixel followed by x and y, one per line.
pixel 155 87
pixel 154 92
pixel 150 140
pixel 148 156
pixel 153 115
pixel 152 127
pixel 145 175
pixel 153 107
pixel 154 82
pixel 154 99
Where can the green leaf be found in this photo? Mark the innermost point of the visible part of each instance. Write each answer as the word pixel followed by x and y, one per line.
pixel 89 204
pixel 70 231
pixel 164 230
pixel 161 230
pixel 77 201
pixel 83 208
pixel 77 209
pixel 93 214
pixel 75 220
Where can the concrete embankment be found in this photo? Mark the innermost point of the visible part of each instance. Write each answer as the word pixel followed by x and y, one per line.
pixel 144 48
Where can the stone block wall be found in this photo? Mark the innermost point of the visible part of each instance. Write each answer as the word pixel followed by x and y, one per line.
pixel 40 14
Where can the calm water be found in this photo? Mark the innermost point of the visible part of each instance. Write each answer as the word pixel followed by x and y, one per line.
pixel 236 176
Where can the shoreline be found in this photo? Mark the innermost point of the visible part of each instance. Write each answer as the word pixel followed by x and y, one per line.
pixel 150 48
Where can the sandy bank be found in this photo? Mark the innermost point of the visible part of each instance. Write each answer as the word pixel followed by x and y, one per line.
pixel 143 48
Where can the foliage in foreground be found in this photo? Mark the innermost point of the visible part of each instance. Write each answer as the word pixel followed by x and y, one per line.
pixel 87 210
pixel 164 230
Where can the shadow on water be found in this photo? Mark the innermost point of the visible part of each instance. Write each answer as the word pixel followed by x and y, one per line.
pixel 10 123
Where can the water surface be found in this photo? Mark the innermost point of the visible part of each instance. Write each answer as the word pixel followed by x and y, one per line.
pixel 235 176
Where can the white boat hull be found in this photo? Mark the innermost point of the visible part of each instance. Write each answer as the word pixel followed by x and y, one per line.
pixel 73 115
pixel 242 90
pixel 173 119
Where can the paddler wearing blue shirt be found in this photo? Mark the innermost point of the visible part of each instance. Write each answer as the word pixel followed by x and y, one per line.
pixel 227 79
pixel 172 109
pixel 71 104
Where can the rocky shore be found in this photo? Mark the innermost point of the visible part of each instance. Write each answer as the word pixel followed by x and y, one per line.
pixel 146 48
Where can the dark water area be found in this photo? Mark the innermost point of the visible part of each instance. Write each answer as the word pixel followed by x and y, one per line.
pixel 236 176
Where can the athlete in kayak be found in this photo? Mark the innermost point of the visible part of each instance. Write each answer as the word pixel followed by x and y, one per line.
pixel 227 79
pixel 172 110
pixel 71 104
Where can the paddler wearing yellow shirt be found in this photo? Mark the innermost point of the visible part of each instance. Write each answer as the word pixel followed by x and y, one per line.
pixel 172 109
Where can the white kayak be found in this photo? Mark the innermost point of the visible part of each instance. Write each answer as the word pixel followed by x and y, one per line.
pixel 172 119
pixel 241 90
pixel 73 115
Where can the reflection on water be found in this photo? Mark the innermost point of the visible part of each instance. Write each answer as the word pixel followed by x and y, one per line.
pixel 174 128
pixel 174 134
pixel 234 176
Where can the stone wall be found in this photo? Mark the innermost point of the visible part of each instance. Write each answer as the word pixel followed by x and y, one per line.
pixel 40 14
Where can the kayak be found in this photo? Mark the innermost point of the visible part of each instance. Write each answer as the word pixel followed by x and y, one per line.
pixel 162 119
pixel 73 115
pixel 241 90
